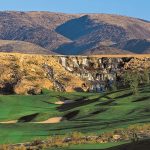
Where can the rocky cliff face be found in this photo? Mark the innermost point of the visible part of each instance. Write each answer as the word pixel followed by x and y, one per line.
pixel 100 73
pixel 29 74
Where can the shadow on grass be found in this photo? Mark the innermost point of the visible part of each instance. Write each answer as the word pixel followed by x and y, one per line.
pixel 142 99
pixel 82 102
pixel 141 145
pixel 28 118
pixel 99 111
pixel 124 95
pixel 71 115
pixel 77 103
pixel 81 124
pixel 94 113
pixel 107 103
pixel 118 91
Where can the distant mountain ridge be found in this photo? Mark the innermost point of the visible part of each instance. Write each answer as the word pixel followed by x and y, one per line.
pixel 76 34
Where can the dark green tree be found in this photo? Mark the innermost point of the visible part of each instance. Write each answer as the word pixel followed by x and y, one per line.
pixel 132 79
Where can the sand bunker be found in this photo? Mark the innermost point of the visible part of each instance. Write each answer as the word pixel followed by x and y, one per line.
pixel 52 120
pixel 9 122
pixel 64 102
pixel 59 102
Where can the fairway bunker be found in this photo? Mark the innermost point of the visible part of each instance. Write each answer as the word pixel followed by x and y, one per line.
pixel 9 122
pixel 64 102
pixel 51 120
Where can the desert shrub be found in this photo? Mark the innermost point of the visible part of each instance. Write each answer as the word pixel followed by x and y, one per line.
pixel 20 148
pixel 134 137
pixel 35 62
pixel 31 78
pixel 4 147
pixel 76 135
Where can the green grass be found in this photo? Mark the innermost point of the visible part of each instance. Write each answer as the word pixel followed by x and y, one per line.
pixel 140 145
pixel 89 146
pixel 94 146
pixel 90 113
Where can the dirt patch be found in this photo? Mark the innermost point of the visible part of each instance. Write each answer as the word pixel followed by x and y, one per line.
pixel 9 122
pixel 52 120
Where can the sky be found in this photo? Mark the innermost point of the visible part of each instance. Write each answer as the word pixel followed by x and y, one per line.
pixel 133 8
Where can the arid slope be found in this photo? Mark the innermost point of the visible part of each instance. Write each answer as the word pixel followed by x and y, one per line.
pixel 73 34
pixel 29 74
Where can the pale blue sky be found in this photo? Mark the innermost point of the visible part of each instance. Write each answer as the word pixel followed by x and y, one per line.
pixel 134 8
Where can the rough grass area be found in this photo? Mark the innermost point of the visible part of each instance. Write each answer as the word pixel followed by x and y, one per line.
pixel 89 113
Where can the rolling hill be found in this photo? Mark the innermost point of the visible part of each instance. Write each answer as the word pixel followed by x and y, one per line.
pixel 74 33
pixel 105 50
pixel 22 47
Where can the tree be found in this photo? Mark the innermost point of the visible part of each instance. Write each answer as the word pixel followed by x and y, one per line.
pixel 131 79
pixel 146 76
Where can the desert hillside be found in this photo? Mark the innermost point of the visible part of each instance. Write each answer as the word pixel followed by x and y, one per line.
pixel 76 34
pixel 102 50
pixel 135 45
pixel 29 74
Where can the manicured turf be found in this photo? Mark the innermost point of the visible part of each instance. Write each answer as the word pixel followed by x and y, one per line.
pixel 90 113
pixel 140 145
pixel 94 146
pixel 89 146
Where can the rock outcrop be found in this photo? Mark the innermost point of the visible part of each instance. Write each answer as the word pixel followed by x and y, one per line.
pixel 101 72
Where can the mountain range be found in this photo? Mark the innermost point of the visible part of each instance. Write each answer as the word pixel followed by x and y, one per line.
pixel 72 34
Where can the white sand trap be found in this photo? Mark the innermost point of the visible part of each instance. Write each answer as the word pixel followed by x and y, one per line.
pixel 64 102
pixel 9 122
pixel 52 120
pixel 59 102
